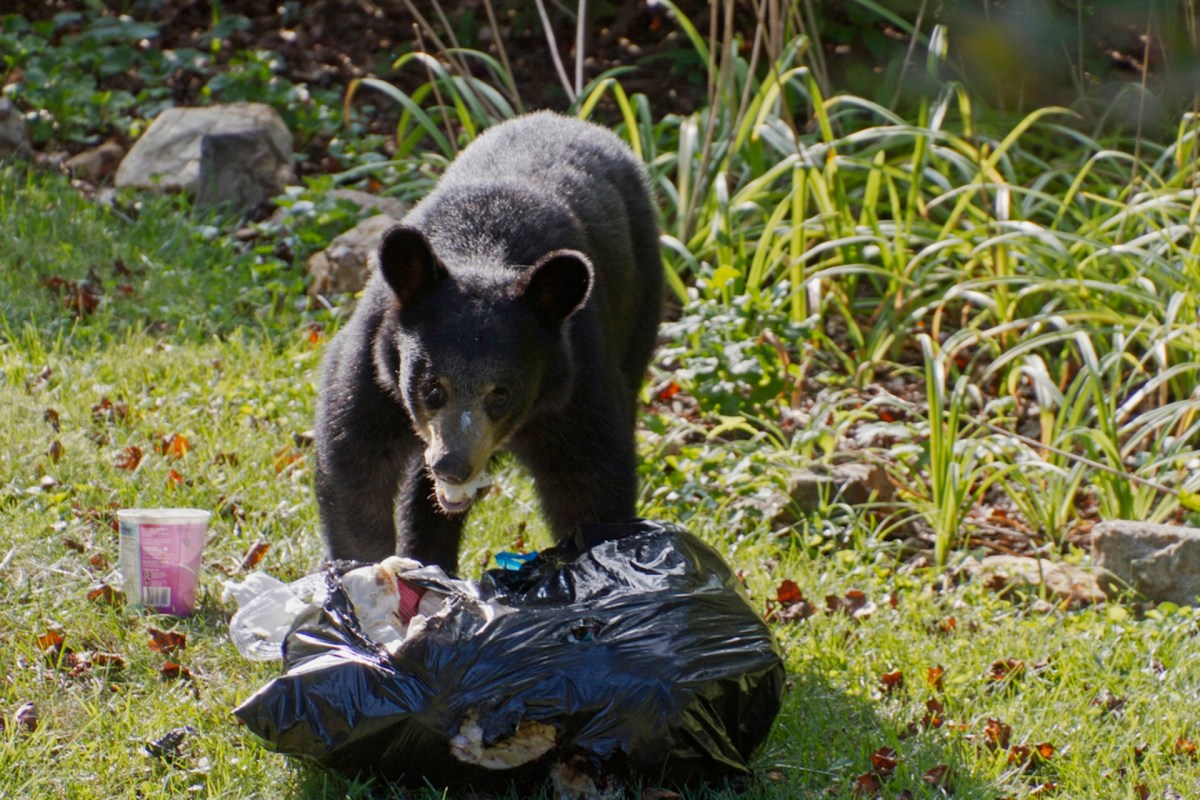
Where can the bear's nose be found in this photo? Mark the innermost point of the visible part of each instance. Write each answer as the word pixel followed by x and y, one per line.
pixel 449 468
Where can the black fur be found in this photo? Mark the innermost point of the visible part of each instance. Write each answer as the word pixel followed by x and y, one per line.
pixel 516 308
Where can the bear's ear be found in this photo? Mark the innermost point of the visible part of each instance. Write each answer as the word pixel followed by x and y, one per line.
pixel 408 264
pixel 556 286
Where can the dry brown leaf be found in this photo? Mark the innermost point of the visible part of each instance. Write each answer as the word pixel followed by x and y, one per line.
pixel 936 776
pixel 884 761
pixel 933 713
pixel 997 734
pixel 933 677
pixel 891 681
pixel 867 785
pixel 51 640
pixel 129 458
pixel 166 642
pixel 254 555
pixel 106 595
pixel 175 445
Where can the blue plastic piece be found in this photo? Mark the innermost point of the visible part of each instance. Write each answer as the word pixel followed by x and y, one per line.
pixel 514 561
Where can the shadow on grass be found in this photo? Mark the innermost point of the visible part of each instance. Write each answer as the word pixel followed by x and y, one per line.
pixel 824 739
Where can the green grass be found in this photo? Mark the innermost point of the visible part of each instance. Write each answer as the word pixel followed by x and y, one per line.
pixel 1014 304
pixel 238 380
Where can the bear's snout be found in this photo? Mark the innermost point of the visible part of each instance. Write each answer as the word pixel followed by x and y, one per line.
pixel 450 468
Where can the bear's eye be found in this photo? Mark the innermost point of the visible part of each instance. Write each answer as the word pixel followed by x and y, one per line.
pixel 433 394
pixel 496 400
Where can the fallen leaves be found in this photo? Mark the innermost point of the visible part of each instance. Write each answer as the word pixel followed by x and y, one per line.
pixel 79 297
pixel 1030 756
pixel 51 641
pixel 891 681
pixel 933 678
pixel 789 605
pixel 107 412
pixel 254 555
pixel 1184 747
pixel 1005 669
pixel 854 605
pixel 174 445
pixel 72 663
pixel 997 733
pixel 129 458
pixel 166 642
pixel 106 595
pixel 884 761
pixel 83 297
pixel 286 457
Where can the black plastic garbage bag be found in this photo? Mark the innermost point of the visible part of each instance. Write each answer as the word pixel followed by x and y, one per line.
pixel 629 654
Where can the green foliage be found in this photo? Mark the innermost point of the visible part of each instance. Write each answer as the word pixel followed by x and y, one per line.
pixel 61 81
pixel 732 354
pixel 1002 312
pixel 252 76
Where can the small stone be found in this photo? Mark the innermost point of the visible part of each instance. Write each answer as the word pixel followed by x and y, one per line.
pixel 26 717
pixel 169 156
pixel 344 266
pixel 852 484
pixel 1160 562
pixel 14 132
pixel 96 164
pixel 372 202
pixel 239 170
pixel 1066 582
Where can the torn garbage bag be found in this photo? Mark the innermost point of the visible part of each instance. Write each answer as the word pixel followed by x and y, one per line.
pixel 629 653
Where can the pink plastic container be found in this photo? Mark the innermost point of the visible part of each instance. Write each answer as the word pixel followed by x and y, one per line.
pixel 160 551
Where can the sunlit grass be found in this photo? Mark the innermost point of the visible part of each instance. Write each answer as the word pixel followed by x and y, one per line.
pixel 1016 304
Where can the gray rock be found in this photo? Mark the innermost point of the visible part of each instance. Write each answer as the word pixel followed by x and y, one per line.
pixel 239 170
pixel 14 132
pixel 248 137
pixel 853 484
pixel 1160 562
pixel 97 163
pixel 344 265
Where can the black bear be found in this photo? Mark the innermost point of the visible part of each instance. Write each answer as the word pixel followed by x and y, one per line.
pixel 515 308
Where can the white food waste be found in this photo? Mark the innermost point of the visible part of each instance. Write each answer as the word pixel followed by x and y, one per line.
pixel 457 493
pixel 389 608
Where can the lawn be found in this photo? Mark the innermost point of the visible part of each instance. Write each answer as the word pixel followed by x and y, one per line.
pixel 974 306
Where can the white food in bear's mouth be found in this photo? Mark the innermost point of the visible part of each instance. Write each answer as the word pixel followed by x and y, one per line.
pixel 461 494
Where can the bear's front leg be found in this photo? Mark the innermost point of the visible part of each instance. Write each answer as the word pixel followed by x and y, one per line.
pixel 584 463
pixel 427 533
pixel 365 447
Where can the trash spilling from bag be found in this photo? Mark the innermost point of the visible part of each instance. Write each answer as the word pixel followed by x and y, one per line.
pixel 629 654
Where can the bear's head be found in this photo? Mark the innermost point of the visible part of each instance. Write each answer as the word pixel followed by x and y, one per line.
pixel 477 350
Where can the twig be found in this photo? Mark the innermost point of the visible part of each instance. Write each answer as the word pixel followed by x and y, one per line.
pixel 502 51
pixel 580 28
pixel 558 65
